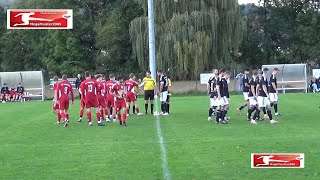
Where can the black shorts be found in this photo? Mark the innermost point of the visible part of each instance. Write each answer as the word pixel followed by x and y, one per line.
pixel 149 94
pixel 168 98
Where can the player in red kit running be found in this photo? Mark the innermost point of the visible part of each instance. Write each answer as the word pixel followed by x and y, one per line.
pixel 110 99
pixel 64 89
pixel 101 90
pixel 89 90
pixel 82 102
pixel 55 104
pixel 120 104
pixel 130 86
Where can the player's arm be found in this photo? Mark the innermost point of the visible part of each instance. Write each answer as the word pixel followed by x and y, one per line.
pixel 253 90
pixel 56 93
pixel 218 90
pixel 246 83
pixel 265 90
pixel 273 84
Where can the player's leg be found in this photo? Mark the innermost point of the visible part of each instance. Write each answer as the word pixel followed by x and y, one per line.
pixel 274 102
pixel 124 113
pixel 168 104
pixel 82 105
pixel 251 110
pixel 164 103
pixel 268 107
pixel 88 110
pixel 146 100
pixel 151 101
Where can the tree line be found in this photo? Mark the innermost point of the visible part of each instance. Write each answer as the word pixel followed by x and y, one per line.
pixel 191 36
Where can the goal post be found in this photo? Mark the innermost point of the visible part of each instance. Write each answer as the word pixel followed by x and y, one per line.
pixel 291 77
pixel 32 81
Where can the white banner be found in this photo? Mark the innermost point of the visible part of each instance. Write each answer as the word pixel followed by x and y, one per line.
pixel 204 78
pixel 316 73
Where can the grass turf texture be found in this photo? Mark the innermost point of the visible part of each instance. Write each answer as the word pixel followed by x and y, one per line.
pixel 32 147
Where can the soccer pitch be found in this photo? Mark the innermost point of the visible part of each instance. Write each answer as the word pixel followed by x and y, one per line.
pixel 33 147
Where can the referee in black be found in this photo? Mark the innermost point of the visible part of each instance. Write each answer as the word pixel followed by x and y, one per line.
pixel 78 82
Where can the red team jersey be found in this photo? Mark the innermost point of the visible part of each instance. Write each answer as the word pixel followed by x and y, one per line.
pixel 89 90
pixel 118 89
pixel 64 89
pixel 101 94
pixel 55 106
pixel 130 85
pixel 109 97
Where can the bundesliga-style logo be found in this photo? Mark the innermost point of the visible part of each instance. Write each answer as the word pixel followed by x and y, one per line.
pixel 281 160
pixel 39 19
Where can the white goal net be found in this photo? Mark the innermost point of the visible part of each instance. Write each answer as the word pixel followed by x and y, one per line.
pixel 291 77
pixel 32 82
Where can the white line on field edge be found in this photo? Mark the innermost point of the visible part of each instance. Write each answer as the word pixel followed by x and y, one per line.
pixel 165 169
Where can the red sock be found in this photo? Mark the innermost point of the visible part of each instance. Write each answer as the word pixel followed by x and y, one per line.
pixel 63 115
pixel 81 112
pixel 98 115
pixel 89 116
pixel 137 109
pixel 67 115
pixel 124 117
pixel 102 114
pixel 59 117
pixel 119 117
pixel 107 112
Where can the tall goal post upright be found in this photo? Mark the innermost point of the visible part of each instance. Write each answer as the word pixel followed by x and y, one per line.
pixel 152 41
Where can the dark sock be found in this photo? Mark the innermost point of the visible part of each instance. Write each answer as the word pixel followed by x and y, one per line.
pixel 243 106
pixel 217 116
pixel 264 110
pixel 214 109
pixel 223 114
pixel 276 108
pixel 269 114
pixel 165 107
pixel 257 114
pixel 151 108
pixel 210 112
pixel 133 109
pixel 168 108
pixel 146 108
pixel 162 107
pixel 250 110
pixel 128 111
pixel 271 104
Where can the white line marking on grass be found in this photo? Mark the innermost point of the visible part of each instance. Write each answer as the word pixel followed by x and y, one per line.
pixel 165 169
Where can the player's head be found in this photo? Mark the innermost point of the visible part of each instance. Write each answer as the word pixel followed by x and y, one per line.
pixel 120 79
pixel 5 84
pixel 64 77
pixel 99 77
pixel 12 85
pixel 275 71
pixel 160 72
pixel 132 76
pixel 215 71
pixel 226 74
pixel 55 78
pixel 246 71
pixel 255 73
pixel 265 71
pixel 20 84
pixel 87 74
pixel 79 76
pixel 221 72
pixel 111 76
pixel 148 74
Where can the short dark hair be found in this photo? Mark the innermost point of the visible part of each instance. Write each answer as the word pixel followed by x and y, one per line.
pixel 227 72
pixel 159 71
pixel 55 78
pixel 64 77
pixel 87 74
pixel 247 70
pixel 265 69
pixel 119 77
pixel 4 84
pixel 255 72
pixel 275 69
pixel 222 70
pixel 99 76
pixel 149 72
pixel 111 76
pixel 131 75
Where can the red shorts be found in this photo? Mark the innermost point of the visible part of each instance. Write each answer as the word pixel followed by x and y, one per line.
pixel 120 104
pixel 110 101
pixel 55 106
pixel 12 94
pixel 19 94
pixel 92 103
pixel 131 97
pixel 102 102
pixel 64 104
pixel 82 103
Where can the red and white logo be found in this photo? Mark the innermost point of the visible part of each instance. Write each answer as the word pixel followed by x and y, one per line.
pixel 281 160
pixel 39 19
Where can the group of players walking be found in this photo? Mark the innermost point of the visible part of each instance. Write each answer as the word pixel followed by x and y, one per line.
pixel 260 94
pixel 111 99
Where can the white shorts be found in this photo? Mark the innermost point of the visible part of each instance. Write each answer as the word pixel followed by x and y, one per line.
pixel 163 96
pixel 263 101
pixel 273 97
pixel 213 102
pixel 222 101
pixel 253 101
pixel 246 96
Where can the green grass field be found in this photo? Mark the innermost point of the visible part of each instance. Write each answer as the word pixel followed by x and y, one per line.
pixel 33 147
